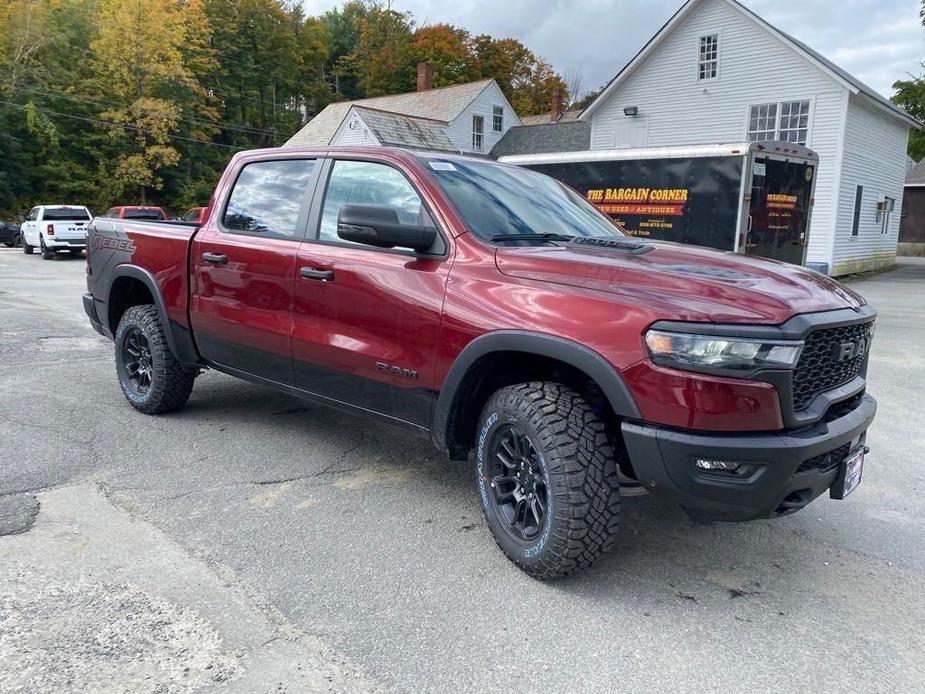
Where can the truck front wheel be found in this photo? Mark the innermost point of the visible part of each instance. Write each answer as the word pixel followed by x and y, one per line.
pixel 151 377
pixel 547 478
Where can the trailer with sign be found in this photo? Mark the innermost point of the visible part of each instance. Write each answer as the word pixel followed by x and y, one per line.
pixel 754 198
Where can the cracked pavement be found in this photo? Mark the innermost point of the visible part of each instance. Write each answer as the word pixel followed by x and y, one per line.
pixel 295 548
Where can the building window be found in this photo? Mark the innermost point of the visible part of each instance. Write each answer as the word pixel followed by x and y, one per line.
pixel 497 119
pixel 709 57
pixel 792 126
pixel 762 122
pixel 478 124
pixel 794 122
pixel 858 199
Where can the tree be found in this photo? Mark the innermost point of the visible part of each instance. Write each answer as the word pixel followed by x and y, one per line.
pixel 526 80
pixel 137 73
pixel 910 95
pixel 383 60
pixel 450 50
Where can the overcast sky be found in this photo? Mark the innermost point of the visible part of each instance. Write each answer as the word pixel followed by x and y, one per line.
pixel 878 41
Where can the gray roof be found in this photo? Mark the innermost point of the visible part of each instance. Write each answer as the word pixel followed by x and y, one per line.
pixel 916 175
pixel 398 130
pixel 827 65
pixel 568 136
pixel 442 104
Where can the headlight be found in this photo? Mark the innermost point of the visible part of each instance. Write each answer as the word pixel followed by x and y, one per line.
pixel 705 351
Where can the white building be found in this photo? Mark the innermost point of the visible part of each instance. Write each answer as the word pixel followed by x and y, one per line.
pixel 468 118
pixel 716 73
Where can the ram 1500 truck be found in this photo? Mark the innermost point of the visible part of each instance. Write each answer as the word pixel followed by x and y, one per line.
pixel 491 309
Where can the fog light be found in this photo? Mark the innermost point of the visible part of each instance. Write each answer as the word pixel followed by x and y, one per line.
pixel 717 465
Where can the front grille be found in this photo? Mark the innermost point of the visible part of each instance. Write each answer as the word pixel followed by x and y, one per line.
pixel 826 461
pixel 820 367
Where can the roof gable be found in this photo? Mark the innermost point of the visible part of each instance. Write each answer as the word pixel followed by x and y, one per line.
pixel 442 104
pixel 823 64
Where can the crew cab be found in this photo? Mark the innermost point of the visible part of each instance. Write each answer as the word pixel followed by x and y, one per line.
pixel 53 228
pixel 494 311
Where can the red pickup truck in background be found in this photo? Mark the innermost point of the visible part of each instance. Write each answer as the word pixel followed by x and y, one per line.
pixel 491 309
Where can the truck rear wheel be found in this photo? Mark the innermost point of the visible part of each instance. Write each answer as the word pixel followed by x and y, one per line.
pixel 47 253
pixel 547 478
pixel 26 248
pixel 151 377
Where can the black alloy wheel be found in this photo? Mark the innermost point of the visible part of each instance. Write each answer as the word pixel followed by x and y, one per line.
pixel 519 488
pixel 136 360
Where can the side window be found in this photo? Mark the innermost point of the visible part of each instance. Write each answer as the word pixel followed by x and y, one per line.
pixel 369 183
pixel 33 214
pixel 267 197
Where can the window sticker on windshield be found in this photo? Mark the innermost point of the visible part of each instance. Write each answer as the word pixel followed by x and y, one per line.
pixel 442 166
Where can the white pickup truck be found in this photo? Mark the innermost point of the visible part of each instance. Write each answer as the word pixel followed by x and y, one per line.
pixel 53 228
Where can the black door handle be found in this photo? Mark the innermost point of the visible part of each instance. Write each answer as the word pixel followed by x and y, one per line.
pixel 311 273
pixel 215 258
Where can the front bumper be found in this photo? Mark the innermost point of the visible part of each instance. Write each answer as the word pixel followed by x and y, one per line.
pixel 663 460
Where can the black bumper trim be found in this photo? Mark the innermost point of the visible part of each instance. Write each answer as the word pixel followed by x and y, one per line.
pixel 663 460
pixel 90 310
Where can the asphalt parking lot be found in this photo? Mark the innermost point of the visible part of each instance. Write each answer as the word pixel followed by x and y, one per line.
pixel 253 542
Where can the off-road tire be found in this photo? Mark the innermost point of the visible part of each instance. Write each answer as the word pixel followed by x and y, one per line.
pixel 580 471
pixel 47 253
pixel 170 382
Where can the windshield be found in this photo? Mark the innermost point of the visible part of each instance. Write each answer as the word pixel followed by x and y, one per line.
pixel 62 214
pixel 497 200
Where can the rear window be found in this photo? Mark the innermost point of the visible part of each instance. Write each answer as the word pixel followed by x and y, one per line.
pixel 66 214
pixel 143 214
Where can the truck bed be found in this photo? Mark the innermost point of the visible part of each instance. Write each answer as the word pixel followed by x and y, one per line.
pixel 159 250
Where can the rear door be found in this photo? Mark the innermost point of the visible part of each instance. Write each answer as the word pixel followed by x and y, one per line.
pixel 243 266
pixel 780 206
pixel 365 319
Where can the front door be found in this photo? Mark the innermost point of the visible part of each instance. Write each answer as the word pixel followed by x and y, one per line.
pixel 365 320
pixel 781 202
pixel 243 269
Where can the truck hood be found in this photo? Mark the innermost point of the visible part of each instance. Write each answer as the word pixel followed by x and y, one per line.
pixel 684 282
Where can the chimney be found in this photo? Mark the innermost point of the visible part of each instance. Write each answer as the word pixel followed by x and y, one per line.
pixel 556 105
pixel 425 77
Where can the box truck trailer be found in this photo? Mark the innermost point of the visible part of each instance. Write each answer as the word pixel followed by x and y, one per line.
pixel 754 197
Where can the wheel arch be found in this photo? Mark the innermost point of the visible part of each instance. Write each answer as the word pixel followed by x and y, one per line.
pixel 130 285
pixel 497 359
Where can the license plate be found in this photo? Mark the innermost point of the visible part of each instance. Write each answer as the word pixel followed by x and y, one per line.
pixel 849 477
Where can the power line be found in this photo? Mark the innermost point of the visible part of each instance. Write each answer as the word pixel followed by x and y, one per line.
pixel 189 119
pixel 119 125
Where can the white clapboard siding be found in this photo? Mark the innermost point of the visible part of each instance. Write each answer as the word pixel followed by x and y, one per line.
pixel 875 158
pixel 353 131
pixel 755 67
pixel 460 129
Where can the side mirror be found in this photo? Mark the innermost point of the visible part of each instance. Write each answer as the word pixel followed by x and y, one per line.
pixel 378 225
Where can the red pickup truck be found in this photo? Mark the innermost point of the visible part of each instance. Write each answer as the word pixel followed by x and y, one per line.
pixel 491 309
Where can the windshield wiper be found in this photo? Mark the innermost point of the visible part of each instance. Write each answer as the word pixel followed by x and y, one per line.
pixel 531 237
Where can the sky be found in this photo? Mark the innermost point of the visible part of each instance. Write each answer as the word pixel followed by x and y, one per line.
pixel 878 41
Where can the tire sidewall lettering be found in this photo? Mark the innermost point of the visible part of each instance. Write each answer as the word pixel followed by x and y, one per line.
pixel 480 458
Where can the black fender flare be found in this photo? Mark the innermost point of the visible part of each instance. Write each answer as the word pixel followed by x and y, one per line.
pixel 179 338
pixel 595 366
